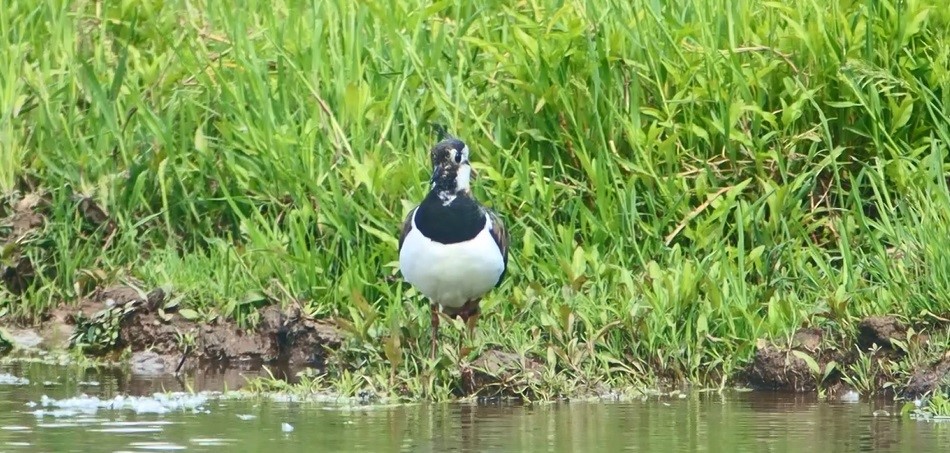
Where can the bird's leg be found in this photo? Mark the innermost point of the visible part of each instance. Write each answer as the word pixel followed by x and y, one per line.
pixel 461 315
pixel 434 311
pixel 471 323
pixel 469 314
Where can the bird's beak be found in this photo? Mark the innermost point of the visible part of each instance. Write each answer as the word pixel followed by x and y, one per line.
pixel 474 173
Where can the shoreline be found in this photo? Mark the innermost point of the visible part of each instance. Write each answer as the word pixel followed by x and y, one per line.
pixel 832 364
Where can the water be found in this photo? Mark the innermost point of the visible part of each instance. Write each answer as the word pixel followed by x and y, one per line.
pixel 737 422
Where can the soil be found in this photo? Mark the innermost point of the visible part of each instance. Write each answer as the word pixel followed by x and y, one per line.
pixel 928 378
pixel 497 373
pixel 26 217
pixel 160 340
pixel 880 330
pixel 782 367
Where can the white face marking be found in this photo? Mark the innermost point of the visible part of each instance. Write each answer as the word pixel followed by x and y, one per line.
pixel 463 176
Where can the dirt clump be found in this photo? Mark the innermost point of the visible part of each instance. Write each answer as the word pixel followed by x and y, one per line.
pixel 26 215
pixel 94 214
pixel 21 219
pixel 802 364
pixel 162 340
pixel 151 362
pixel 880 330
pixel 226 343
pixel 785 367
pixel 929 379
pixel 497 373
pixel 300 340
pixel 19 338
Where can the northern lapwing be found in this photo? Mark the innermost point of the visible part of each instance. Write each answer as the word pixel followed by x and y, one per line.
pixel 452 249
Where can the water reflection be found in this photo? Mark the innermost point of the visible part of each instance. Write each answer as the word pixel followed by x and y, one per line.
pixel 734 422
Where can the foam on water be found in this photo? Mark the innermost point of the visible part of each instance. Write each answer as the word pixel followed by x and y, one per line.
pixel 137 423
pixel 159 446
pixel 851 397
pixel 211 442
pixel 158 403
pixel 129 430
pixel 58 425
pixel 9 379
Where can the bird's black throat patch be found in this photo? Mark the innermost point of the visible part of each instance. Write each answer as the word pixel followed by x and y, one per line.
pixel 444 178
pixel 458 221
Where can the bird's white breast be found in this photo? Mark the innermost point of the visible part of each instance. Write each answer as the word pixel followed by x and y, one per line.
pixel 451 274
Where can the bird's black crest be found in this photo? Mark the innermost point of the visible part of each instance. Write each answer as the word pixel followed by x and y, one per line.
pixel 441 131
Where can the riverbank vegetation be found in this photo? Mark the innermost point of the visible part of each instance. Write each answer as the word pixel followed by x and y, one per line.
pixel 695 193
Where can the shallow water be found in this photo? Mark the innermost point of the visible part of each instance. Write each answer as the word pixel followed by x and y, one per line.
pixel 65 420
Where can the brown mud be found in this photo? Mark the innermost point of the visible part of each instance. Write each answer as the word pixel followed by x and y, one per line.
pixel 816 358
pixel 162 340
pixel 497 373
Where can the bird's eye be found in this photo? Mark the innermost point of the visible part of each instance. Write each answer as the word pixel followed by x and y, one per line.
pixel 458 157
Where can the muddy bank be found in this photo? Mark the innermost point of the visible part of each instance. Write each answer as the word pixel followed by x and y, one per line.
pixel 162 340
pixel 884 357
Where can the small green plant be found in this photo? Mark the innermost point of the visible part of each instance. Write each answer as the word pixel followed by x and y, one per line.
pixel 187 341
pixel 861 374
pixel 100 332
pixel 268 384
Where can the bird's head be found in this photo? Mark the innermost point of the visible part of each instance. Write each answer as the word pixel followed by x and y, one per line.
pixel 451 171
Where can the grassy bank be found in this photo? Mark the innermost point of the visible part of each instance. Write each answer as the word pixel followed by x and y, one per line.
pixel 680 179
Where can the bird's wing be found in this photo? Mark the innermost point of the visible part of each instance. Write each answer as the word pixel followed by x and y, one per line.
pixel 500 234
pixel 406 227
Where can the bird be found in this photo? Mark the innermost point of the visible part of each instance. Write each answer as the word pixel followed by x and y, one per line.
pixel 452 249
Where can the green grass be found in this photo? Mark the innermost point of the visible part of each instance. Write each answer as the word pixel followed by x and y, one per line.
pixel 679 178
